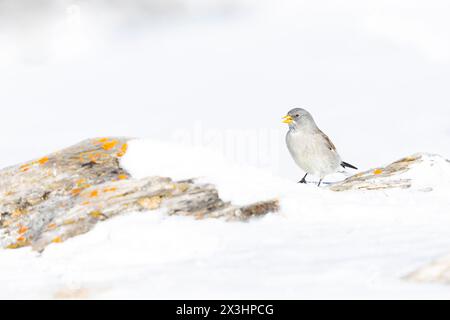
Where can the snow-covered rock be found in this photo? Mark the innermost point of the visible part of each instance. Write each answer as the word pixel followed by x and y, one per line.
pixel 436 271
pixel 421 171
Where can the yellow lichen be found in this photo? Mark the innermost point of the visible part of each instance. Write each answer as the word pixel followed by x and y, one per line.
pixel 377 171
pixel 19 244
pixel 82 184
pixel 97 215
pixel 93 194
pixel 51 226
pixel 23 229
pixel 57 239
pixel 122 177
pixel 123 150
pixel 112 189
pixel 76 191
pixel 80 181
pixel 43 160
pixel 94 157
pixel 109 145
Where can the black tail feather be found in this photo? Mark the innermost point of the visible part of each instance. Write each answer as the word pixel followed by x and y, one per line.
pixel 348 165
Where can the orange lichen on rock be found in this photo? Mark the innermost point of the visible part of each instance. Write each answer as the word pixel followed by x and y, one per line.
pixel 21 242
pixel 112 189
pixel 25 167
pixel 94 157
pixel 43 160
pixel 76 191
pixel 122 177
pixel 93 194
pixel 23 229
pixel 57 240
pixel 51 226
pixel 80 181
pixel 109 145
pixel 97 215
pixel 81 184
pixel 377 171
pixel 100 141
pixel 123 150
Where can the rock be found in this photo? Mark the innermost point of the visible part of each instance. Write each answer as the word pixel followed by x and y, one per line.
pixel 437 271
pixel 421 171
pixel 66 193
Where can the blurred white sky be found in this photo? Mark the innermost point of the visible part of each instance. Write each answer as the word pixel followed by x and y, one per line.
pixel 374 74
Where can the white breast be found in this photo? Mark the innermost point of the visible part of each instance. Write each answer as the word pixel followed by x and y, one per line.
pixel 312 154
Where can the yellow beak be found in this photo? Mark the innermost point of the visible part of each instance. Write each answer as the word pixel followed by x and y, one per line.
pixel 287 119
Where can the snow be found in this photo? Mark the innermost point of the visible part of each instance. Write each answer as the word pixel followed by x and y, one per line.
pixel 210 89
pixel 431 173
pixel 323 244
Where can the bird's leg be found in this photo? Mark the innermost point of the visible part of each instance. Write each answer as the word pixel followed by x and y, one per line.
pixel 320 181
pixel 303 180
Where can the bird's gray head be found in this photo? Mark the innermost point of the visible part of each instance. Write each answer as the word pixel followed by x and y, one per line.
pixel 299 118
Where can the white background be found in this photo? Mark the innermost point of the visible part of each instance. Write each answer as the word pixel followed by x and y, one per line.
pixel 374 74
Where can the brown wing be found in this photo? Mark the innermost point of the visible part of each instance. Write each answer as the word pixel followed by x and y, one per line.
pixel 330 144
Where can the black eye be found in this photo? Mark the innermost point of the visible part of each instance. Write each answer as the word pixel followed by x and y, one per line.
pixel 297 115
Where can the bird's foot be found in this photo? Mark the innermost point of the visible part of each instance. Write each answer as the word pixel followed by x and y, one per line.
pixel 303 181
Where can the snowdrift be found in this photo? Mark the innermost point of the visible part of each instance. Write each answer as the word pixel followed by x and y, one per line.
pixel 358 238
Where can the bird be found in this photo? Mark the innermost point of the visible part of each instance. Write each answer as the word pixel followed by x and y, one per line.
pixel 310 148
